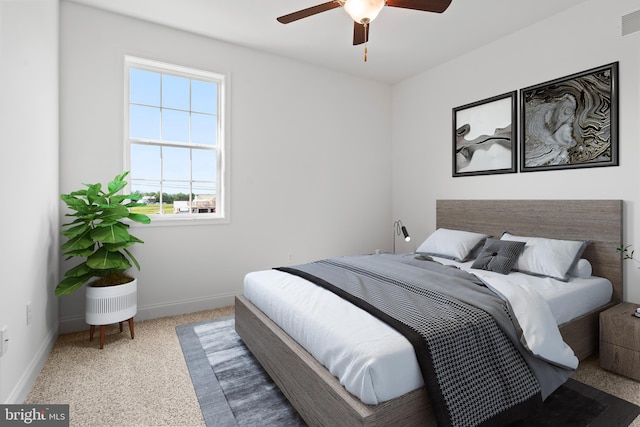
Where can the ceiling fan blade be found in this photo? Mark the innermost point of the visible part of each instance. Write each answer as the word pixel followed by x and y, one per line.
pixel 285 19
pixel 360 33
pixel 437 6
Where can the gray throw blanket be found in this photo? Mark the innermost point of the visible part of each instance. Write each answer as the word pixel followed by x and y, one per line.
pixel 474 367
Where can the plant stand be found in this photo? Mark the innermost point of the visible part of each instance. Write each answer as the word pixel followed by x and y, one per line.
pixel 111 304
pixel 92 329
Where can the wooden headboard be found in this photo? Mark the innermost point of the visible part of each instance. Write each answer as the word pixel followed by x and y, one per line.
pixel 599 221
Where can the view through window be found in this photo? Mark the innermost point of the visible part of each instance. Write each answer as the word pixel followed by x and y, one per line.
pixel 175 138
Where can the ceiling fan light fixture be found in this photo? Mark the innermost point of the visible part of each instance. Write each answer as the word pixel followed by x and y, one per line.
pixel 363 11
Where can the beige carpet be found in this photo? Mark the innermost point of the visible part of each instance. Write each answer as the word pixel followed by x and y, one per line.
pixel 139 382
pixel 145 381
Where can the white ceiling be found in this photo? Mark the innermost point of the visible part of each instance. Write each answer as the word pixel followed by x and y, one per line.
pixel 402 42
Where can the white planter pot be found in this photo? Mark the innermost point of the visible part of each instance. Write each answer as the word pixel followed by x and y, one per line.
pixel 111 304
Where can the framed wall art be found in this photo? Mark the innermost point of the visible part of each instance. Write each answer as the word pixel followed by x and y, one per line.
pixel 570 122
pixel 485 135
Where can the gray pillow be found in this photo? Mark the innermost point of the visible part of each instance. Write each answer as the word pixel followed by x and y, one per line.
pixel 498 255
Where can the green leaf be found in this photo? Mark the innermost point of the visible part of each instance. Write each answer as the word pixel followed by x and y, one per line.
pixel 70 284
pixel 75 203
pixel 82 228
pixel 114 213
pixel 142 218
pixel 102 259
pixel 122 176
pixel 93 192
pixel 115 247
pixel 100 202
pixel 82 252
pixel 117 184
pixel 133 239
pixel 135 261
pixel 113 233
pixel 79 271
pixel 80 242
pixel 118 199
pixel 81 193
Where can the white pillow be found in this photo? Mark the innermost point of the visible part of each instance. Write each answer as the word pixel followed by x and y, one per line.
pixel 453 244
pixel 547 257
pixel 582 269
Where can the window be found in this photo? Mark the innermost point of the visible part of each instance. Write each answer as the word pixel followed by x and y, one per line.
pixel 175 140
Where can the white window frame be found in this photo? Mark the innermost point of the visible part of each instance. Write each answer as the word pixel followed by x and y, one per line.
pixel 222 214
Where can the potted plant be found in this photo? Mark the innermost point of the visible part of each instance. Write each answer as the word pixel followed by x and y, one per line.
pixel 100 236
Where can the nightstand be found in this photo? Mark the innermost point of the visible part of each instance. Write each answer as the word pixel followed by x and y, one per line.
pixel 620 340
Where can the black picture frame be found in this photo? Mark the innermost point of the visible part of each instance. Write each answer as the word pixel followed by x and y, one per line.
pixel 570 122
pixel 485 136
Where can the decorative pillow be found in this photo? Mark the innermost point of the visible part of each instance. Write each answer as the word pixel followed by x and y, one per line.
pixel 583 269
pixel 453 244
pixel 498 255
pixel 547 257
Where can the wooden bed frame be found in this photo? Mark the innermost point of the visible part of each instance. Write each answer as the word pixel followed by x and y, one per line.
pixel 321 400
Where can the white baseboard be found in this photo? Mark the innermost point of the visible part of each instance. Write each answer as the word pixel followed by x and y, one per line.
pixel 154 311
pixel 28 378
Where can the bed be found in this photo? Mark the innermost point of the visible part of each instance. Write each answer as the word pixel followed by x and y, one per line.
pixel 322 400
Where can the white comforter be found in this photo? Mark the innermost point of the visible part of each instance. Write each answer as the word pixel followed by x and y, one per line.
pixel 371 359
pixel 539 329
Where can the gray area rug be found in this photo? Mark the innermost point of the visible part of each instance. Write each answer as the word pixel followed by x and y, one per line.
pixel 231 386
pixel 233 389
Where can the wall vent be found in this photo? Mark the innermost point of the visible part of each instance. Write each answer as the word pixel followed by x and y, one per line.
pixel 631 23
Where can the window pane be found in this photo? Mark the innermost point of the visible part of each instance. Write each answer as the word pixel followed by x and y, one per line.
pixel 145 162
pixel 144 87
pixel 203 129
pixel 204 97
pixel 175 144
pixel 144 122
pixel 176 163
pixel 175 92
pixel 176 188
pixel 204 165
pixel 145 187
pixel 204 188
pixel 175 126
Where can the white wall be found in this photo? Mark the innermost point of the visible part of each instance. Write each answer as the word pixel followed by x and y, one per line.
pixel 310 170
pixel 29 173
pixel 584 37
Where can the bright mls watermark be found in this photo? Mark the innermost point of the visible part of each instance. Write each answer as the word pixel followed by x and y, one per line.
pixel 34 415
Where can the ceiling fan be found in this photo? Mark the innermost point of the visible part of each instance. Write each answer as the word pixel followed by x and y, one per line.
pixel 364 11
